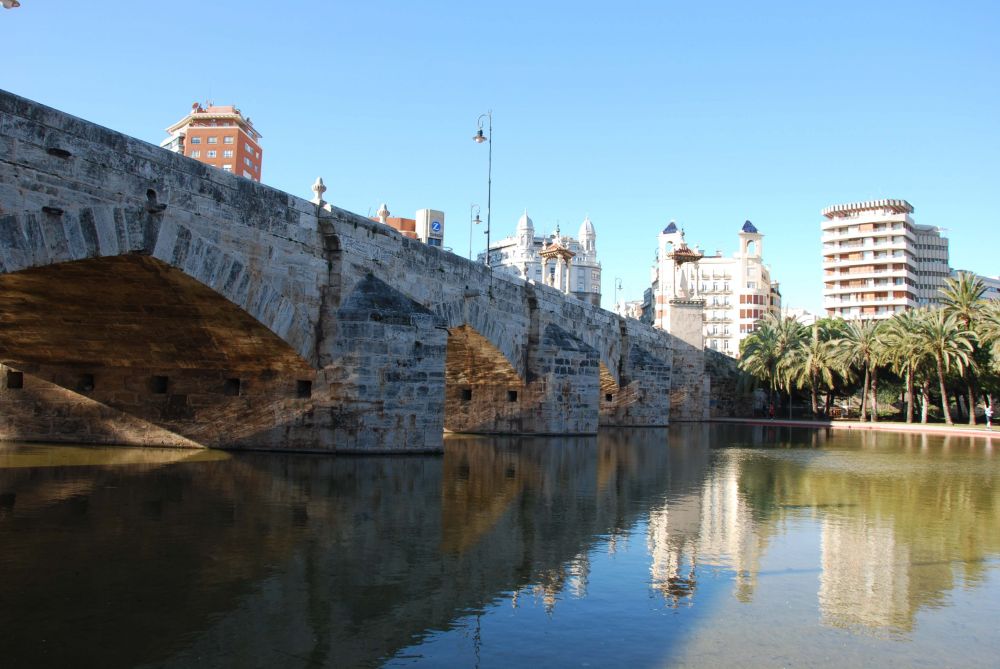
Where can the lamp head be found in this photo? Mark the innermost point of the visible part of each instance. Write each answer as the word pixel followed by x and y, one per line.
pixel 477 220
pixel 480 137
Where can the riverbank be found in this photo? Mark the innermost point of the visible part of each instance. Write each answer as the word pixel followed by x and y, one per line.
pixel 884 426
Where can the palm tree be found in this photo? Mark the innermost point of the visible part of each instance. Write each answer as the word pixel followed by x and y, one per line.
pixel 759 354
pixel 942 337
pixel 962 297
pixel 903 352
pixel 765 353
pixel 812 362
pixel 859 349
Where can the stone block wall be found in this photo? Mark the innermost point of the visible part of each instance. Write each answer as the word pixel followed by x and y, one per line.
pixel 729 395
pixel 689 386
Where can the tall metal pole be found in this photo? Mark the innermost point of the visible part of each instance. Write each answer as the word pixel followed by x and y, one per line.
pixel 479 139
pixel 489 186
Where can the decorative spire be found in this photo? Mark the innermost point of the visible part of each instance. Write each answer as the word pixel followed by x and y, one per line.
pixel 318 188
pixel 382 213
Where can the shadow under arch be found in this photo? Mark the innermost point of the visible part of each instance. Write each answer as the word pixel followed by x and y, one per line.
pixel 128 349
pixel 483 391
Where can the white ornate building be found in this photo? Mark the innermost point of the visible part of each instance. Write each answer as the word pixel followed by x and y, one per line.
pixel 577 272
pixel 737 290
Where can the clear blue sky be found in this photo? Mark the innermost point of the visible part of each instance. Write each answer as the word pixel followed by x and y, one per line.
pixel 635 113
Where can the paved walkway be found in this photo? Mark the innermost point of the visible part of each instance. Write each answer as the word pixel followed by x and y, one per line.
pixel 882 426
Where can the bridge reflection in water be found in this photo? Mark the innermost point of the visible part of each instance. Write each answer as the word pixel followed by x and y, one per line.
pixel 502 550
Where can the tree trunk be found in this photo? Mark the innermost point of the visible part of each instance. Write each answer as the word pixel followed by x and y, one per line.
pixel 812 395
pixel 864 396
pixel 972 397
pixel 925 399
pixel 829 404
pixel 909 395
pixel 874 396
pixel 944 391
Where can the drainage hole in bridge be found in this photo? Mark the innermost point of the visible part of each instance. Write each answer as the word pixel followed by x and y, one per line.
pixel 158 385
pixel 608 397
pixel 466 394
pixel 303 389
pixel 511 395
pixel 15 380
pixel 231 387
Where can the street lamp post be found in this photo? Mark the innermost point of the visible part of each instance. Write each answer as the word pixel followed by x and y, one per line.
pixel 618 287
pixel 479 138
pixel 473 220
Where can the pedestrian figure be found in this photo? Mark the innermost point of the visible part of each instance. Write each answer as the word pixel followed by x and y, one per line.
pixel 770 411
pixel 989 414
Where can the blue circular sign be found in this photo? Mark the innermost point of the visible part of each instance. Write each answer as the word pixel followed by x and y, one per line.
pixel 436 226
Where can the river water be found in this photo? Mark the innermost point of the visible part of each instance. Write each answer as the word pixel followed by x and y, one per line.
pixel 697 546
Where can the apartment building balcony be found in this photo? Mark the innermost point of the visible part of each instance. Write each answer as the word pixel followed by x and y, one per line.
pixel 850 290
pixel 849 235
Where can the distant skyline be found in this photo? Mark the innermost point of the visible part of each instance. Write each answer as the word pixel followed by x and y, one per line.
pixel 637 114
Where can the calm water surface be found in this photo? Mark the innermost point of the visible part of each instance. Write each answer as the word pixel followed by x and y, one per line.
pixel 698 546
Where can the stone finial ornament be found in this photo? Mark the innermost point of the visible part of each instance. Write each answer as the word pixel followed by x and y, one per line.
pixel 319 188
pixel 382 213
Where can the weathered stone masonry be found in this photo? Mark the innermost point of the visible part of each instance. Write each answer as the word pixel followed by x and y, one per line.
pixel 146 298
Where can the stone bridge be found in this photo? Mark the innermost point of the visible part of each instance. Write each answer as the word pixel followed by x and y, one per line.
pixel 149 299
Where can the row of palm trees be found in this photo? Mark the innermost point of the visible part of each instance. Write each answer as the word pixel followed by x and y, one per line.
pixel 955 346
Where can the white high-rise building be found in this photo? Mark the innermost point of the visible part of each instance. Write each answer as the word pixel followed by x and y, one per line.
pixel 877 261
pixel 737 290
pixel 521 255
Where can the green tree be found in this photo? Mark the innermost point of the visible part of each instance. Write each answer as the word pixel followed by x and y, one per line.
pixel 962 297
pixel 903 352
pixel 860 349
pixel 813 362
pixel 943 338
pixel 765 353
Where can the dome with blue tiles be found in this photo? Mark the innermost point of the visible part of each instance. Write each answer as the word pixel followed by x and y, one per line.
pixel 670 229
pixel 749 227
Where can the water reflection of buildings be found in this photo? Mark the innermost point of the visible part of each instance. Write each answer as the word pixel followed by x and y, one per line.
pixel 711 527
pixel 900 520
pixel 865 580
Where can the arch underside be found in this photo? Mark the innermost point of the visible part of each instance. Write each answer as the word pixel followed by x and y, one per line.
pixel 128 349
pixel 482 389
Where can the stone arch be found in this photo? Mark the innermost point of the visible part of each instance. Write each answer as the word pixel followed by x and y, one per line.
pixel 482 389
pixel 478 314
pixel 54 236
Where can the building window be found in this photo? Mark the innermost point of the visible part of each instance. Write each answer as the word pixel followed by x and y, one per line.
pixel 227 168
pixel 196 140
pixel 196 154
pixel 212 154
pixel 228 153
pixel 247 174
pixel 248 162
pixel 227 140
pixel 213 140
pixel 249 148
